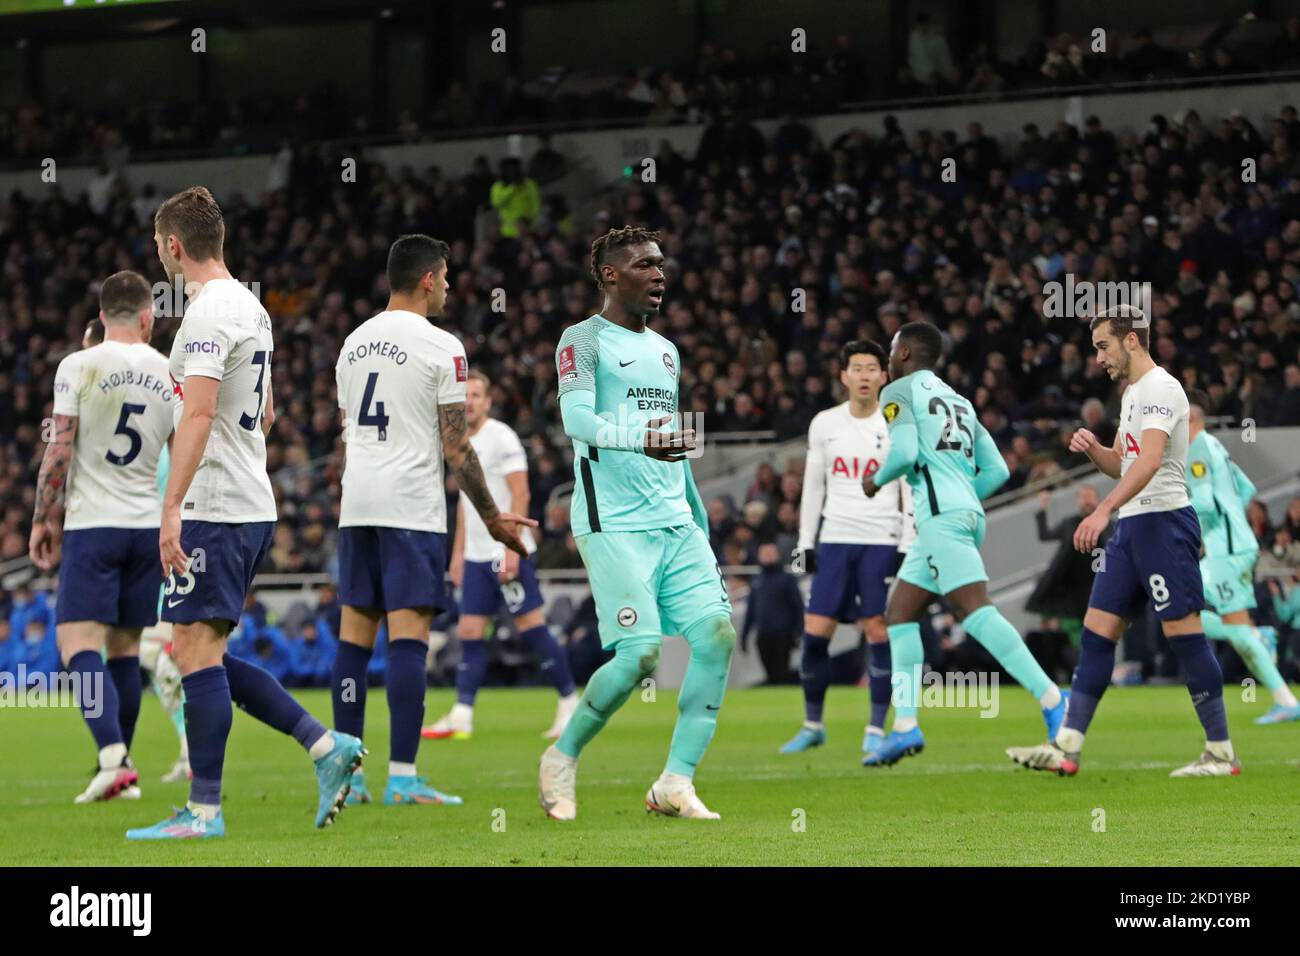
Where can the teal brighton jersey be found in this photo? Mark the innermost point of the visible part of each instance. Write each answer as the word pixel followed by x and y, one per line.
pixel 164 471
pixel 633 377
pixel 1220 492
pixel 947 443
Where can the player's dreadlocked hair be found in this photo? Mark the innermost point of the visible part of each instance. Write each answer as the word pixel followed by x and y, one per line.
pixel 618 239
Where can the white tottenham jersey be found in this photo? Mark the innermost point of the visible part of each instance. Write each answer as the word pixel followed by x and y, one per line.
pixel 393 373
pixel 1156 400
pixel 226 335
pixel 841 451
pixel 122 398
pixel 500 453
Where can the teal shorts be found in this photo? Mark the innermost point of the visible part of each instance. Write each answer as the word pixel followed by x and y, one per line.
pixel 652 583
pixel 1229 582
pixel 946 553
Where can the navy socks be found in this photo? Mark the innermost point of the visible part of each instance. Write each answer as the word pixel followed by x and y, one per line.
pixel 405 684
pixel 555 663
pixel 815 675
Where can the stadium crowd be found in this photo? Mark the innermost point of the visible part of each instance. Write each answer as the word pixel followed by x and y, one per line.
pixel 716 80
pixel 864 228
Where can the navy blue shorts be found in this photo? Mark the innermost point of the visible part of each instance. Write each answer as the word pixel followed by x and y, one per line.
pixel 1156 557
pixel 110 575
pixel 390 569
pixel 482 593
pixel 850 580
pixel 223 560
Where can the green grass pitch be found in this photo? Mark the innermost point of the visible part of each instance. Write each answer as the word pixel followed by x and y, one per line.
pixel 961 802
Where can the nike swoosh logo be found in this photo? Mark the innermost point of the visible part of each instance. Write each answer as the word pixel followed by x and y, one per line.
pixel 174 603
pixel 1161 607
pixel 711 707
pixel 625 364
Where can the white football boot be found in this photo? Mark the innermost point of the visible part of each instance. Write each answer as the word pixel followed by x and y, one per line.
pixel 557 784
pixel 674 796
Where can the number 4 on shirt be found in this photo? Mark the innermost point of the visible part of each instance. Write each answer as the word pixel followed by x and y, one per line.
pixel 379 419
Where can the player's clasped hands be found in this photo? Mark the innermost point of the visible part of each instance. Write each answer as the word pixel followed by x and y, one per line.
pixel 667 446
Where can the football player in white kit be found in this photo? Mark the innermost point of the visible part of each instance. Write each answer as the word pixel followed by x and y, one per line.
pixel 401 391
pixel 848 542
pixel 112 419
pixel 1154 554
pixel 490 576
pixel 218 517
pixel 155 640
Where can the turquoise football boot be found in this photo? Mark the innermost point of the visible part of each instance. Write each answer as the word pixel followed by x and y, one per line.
pixel 334 774
pixel 184 824
pixel 358 793
pixel 806 739
pixel 895 747
pixel 413 790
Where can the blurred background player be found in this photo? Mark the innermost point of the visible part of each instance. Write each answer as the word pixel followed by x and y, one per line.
pixel 1220 492
pixel 112 419
pixel 1153 553
pixel 155 640
pixel 402 381
pixel 221 367
pixel 849 545
pixel 640 526
pixel 490 575
pixel 952 464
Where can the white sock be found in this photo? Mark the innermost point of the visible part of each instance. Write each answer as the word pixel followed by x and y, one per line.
pixel 1283 697
pixel 873 729
pixel 571 698
pixel 111 757
pixel 1071 741
pixel 903 724
pixel 322 746
pixel 1051 697
pixel 461 712
pixel 396 769
pixel 675 780
pixel 205 811
pixel 1220 748
pixel 813 724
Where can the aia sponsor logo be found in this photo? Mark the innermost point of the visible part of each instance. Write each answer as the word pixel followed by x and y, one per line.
pixel 854 467
pixel 462 368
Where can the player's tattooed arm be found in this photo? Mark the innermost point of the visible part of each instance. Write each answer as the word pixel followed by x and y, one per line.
pixel 462 461
pixel 51 482
pixel 51 488
pixel 464 464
